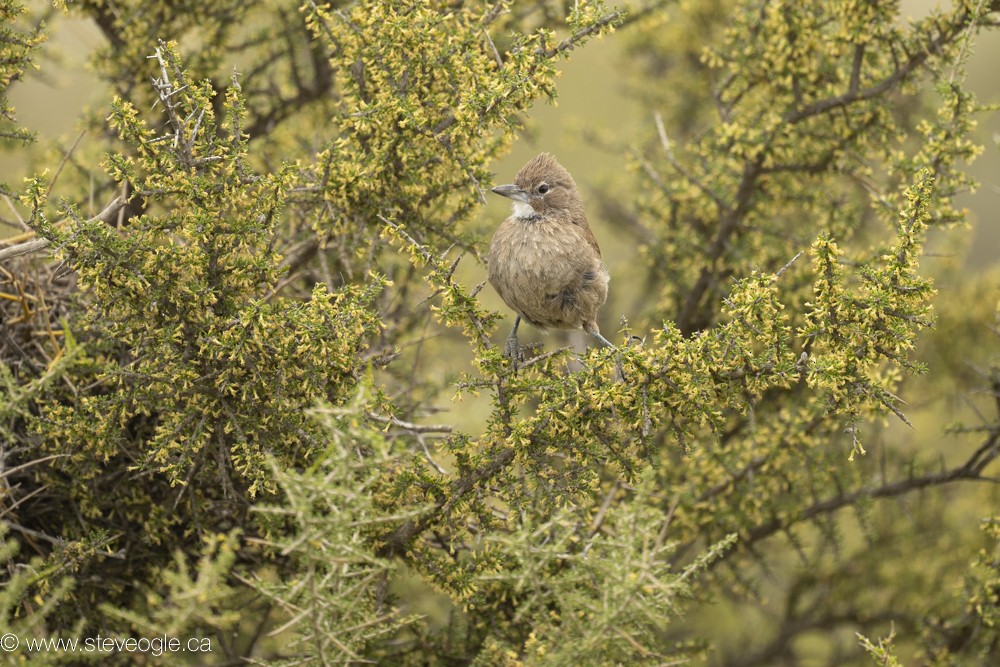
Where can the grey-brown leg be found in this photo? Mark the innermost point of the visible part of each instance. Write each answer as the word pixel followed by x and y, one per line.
pixel 604 341
pixel 512 349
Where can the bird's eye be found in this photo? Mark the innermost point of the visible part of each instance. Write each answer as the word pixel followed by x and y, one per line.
pixel 543 188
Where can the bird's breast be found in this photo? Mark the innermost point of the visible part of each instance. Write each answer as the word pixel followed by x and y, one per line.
pixel 535 249
pixel 547 271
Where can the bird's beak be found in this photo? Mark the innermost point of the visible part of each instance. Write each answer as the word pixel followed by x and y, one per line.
pixel 512 191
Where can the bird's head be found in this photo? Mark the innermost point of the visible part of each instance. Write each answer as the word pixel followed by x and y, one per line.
pixel 542 187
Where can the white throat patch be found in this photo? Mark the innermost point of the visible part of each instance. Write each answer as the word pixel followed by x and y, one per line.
pixel 523 210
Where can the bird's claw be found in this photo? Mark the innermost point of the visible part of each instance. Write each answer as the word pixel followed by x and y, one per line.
pixel 513 351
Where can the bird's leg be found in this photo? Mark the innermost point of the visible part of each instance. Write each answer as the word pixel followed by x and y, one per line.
pixel 596 333
pixel 604 341
pixel 512 349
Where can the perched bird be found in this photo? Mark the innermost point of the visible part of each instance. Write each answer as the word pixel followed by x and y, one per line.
pixel 544 261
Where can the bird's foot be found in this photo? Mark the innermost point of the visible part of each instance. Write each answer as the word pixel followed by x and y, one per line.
pixel 514 351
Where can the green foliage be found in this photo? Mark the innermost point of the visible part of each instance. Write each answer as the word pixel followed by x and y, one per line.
pixel 217 365
pixel 882 654
pixel 222 427
pixel 609 586
pixel 800 94
pixel 189 600
pixel 16 47
pixel 422 98
pixel 970 631
pixel 337 600
pixel 849 337
pixel 44 585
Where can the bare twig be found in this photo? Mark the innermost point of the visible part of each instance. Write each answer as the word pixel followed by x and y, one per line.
pixel 410 426
pixel 38 244
pixel 23 249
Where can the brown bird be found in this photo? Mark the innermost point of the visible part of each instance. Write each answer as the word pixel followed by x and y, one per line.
pixel 544 261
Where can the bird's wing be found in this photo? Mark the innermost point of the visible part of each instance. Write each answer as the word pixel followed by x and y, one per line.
pixel 587 234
